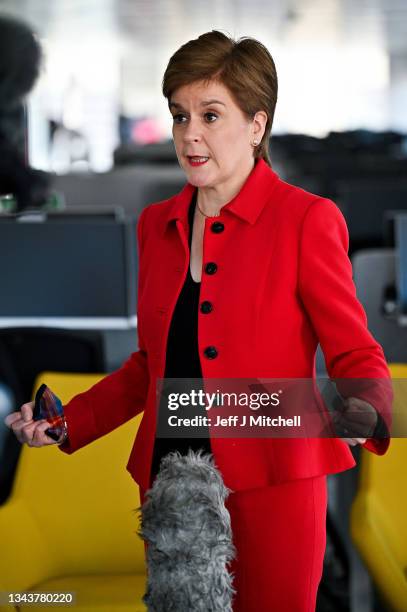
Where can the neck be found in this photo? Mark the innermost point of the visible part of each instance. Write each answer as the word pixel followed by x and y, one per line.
pixel 212 199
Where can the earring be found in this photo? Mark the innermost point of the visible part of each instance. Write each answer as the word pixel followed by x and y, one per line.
pixel 255 143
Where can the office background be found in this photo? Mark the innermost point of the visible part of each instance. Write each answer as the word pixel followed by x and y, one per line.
pixel 97 124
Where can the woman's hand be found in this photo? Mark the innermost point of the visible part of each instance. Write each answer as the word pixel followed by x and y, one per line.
pixel 354 441
pixel 26 430
pixel 358 418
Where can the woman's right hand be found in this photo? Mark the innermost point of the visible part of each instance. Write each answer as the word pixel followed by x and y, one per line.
pixel 26 430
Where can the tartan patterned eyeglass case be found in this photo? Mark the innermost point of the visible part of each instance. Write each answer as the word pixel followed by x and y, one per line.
pixel 48 406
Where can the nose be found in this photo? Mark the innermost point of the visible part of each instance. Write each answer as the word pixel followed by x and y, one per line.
pixel 192 132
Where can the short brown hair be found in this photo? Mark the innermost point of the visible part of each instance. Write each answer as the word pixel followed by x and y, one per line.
pixel 244 66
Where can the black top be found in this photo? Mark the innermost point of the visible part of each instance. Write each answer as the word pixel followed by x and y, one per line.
pixel 182 359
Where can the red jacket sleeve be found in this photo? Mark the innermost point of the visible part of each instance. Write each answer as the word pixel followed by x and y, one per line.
pixel 339 320
pixel 113 400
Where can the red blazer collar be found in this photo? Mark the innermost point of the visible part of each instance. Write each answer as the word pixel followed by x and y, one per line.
pixel 247 204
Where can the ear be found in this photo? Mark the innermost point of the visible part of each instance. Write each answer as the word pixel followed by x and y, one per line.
pixel 259 125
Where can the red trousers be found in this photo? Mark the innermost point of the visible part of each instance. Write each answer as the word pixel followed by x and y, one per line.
pixel 280 535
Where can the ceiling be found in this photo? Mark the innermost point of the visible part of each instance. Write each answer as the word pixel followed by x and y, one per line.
pixel 161 24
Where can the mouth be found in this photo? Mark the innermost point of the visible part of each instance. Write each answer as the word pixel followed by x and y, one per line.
pixel 196 160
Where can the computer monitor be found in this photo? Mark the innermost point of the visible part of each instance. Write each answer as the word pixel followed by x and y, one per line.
pixel 68 266
pixel 401 261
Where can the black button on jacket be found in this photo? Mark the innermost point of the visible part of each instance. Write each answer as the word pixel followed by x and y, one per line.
pixel 182 360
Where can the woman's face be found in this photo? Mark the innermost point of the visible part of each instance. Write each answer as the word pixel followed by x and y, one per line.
pixel 208 123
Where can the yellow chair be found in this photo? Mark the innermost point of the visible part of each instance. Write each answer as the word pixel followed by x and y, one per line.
pixel 70 522
pixel 379 511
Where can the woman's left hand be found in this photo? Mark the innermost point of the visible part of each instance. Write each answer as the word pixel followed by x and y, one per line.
pixel 354 441
pixel 357 417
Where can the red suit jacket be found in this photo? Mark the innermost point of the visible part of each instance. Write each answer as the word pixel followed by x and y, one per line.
pixel 283 282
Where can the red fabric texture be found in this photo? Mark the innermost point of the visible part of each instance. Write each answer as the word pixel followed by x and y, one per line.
pixel 283 283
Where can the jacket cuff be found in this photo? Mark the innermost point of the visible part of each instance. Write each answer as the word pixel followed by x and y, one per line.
pixel 81 429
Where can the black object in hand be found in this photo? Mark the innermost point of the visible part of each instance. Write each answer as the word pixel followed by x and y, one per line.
pixel 42 408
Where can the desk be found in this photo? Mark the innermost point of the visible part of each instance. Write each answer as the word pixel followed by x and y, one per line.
pixel 102 323
pixel 118 333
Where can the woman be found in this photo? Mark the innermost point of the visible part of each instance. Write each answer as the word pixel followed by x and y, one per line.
pixel 254 272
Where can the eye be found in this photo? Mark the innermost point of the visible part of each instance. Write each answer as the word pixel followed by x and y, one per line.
pixel 208 115
pixel 178 118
